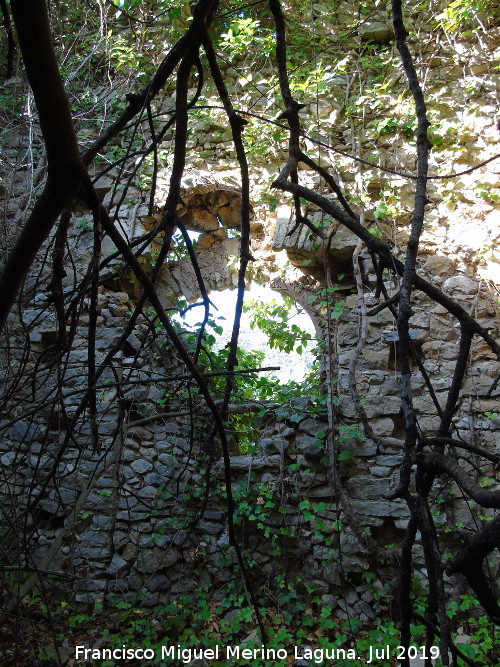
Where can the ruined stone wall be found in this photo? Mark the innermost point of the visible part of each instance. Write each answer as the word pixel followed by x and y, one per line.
pixel 126 516
pixel 138 530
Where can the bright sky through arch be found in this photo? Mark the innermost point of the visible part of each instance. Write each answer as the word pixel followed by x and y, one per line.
pixel 293 365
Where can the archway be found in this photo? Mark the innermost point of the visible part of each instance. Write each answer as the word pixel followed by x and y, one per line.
pixel 264 303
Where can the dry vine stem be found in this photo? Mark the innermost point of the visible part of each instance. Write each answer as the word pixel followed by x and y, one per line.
pixel 67 176
pixel 425 458
pixel 488 538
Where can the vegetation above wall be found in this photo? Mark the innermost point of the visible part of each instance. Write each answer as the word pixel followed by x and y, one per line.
pixel 367 142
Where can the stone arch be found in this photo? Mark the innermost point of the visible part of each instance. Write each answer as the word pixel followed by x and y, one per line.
pixel 213 211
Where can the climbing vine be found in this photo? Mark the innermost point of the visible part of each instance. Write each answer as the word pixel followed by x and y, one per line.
pixel 298 113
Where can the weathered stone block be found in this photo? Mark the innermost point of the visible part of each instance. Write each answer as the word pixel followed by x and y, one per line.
pixel 20 431
pixel 158 583
pixel 273 445
pixel 150 562
pixel 141 466
pixel 460 285
pixel 368 488
pixel 382 426
pixel 209 527
pixel 117 565
pixel 381 508
pixel 376 31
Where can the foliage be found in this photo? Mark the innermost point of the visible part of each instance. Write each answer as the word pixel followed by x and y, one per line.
pixel 242 33
pixel 461 13
pixel 274 319
pixel 126 43
pixel 294 615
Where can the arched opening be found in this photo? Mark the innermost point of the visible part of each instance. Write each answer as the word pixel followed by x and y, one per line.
pixel 271 323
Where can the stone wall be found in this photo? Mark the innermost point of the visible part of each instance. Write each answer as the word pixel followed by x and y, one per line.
pixel 124 518
pixel 139 529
